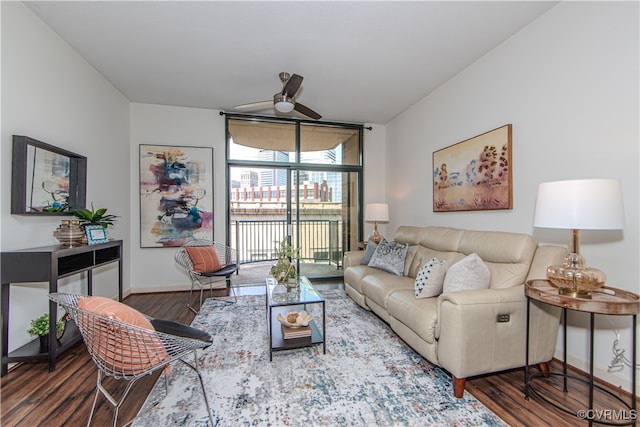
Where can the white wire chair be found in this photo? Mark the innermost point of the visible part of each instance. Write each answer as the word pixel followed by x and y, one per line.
pixel 126 352
pixel 229 260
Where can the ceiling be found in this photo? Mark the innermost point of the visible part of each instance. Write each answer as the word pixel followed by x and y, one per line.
pixel 362 62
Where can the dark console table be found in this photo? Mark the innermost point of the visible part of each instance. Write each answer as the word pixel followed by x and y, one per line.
pixel 48 264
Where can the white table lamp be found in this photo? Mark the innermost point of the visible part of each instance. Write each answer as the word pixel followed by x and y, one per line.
pixel 584 204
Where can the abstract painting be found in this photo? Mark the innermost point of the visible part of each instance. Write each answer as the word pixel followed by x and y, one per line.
pixel 475 174
pixel 176 195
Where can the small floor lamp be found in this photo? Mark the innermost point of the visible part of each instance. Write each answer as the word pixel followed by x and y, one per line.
pixel 376 212
pixel 584 204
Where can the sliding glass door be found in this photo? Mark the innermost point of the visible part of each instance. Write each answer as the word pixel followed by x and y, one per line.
pixel 297 181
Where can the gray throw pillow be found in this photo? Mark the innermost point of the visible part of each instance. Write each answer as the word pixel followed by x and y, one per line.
pixel 390 256
pixel 368 253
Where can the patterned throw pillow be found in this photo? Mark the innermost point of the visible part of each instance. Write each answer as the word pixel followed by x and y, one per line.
pixel 390 256
pixel 430 279
pixel 470 273
pixel 368 253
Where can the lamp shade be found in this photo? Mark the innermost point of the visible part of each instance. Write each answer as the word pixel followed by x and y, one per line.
pixel 377 212
pixel 583 204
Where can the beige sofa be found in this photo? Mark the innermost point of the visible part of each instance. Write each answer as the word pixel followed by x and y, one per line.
pixel 467 333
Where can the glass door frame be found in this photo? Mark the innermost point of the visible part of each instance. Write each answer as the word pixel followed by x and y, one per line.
pixel 296 167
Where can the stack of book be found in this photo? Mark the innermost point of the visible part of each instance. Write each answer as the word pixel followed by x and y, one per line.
pixel 292 333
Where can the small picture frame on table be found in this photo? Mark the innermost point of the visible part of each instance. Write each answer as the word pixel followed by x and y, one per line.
pixel 96 234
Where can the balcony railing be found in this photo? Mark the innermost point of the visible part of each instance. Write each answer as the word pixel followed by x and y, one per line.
pixel 319 240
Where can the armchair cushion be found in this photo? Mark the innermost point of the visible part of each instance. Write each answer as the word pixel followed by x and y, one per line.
pixel 125 350
pixel 178 329
pixel 204 258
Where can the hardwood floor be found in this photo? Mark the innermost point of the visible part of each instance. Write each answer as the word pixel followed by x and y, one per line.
pixel 31 396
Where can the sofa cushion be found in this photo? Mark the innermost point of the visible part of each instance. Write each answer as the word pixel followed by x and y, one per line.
pixel 468 274
pixel 430 279
pixel 507 255
pixel 378 287
pixel 354 274
pixel 390 256
pixel 419 315
pixel 368 252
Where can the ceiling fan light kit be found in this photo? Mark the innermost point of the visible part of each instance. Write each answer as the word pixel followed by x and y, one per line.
pixel 285 101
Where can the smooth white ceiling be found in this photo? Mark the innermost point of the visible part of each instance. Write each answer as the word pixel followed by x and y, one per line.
pixel 363 62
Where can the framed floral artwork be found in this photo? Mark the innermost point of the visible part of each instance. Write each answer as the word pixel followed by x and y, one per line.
pixel 176 195
pixel 474 174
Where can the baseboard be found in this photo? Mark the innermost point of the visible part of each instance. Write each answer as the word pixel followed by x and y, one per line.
pixel 149 290
pixel 611 379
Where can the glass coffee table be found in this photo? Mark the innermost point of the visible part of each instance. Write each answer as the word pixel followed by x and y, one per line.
pixel 280 300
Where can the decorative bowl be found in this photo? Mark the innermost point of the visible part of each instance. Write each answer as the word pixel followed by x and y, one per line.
pixel 295 319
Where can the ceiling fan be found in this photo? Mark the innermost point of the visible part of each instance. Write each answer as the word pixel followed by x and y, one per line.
pixel 284 101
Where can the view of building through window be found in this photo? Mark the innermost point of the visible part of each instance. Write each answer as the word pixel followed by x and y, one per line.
pixel 313 201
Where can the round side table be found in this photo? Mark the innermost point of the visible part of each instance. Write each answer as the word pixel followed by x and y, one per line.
pixel 607 300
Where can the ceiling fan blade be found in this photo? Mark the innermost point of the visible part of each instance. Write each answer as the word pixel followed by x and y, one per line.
pixel 306 111
pixel 292 85
pixel 260 105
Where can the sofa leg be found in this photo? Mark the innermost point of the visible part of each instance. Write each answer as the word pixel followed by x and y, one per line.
pixel 544 367
pixel 458 386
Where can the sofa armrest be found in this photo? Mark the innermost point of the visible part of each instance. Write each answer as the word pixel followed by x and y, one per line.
pixel 484 331
pixel 352 258
pixel 484 297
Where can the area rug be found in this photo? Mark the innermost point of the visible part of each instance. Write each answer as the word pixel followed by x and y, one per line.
pixel 368 377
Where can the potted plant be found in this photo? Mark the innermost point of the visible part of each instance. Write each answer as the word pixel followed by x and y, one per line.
pixel 284 270
pixel 94 216
pixel 40 328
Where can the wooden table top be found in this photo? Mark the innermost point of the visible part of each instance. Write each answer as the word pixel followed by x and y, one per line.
pixel 605 300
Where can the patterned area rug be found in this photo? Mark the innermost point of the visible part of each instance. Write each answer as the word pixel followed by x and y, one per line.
pixel 368 376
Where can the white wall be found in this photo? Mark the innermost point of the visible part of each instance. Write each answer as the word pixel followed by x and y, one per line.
pixel 153 269
pixel 53 95
pixel 375 174
pixel 569 85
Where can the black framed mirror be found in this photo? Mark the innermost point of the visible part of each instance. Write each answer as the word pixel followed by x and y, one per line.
pixel 45 179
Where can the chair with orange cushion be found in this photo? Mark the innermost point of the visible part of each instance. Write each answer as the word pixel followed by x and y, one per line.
pixel 127 345
pixel 208 262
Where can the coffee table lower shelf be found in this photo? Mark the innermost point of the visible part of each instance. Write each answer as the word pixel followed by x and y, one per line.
pixel 277 341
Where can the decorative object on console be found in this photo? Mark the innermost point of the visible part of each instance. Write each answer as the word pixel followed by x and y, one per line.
pixel 69 232
pixel 46 179
pixel 96 234
pixel 94 216
pixel 390 257
pixel 584 204
pixel 176 195
pixel 376 212
pixel 475 174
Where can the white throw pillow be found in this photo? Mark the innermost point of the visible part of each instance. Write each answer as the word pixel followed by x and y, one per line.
pixel 470 273
pixel 430 279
